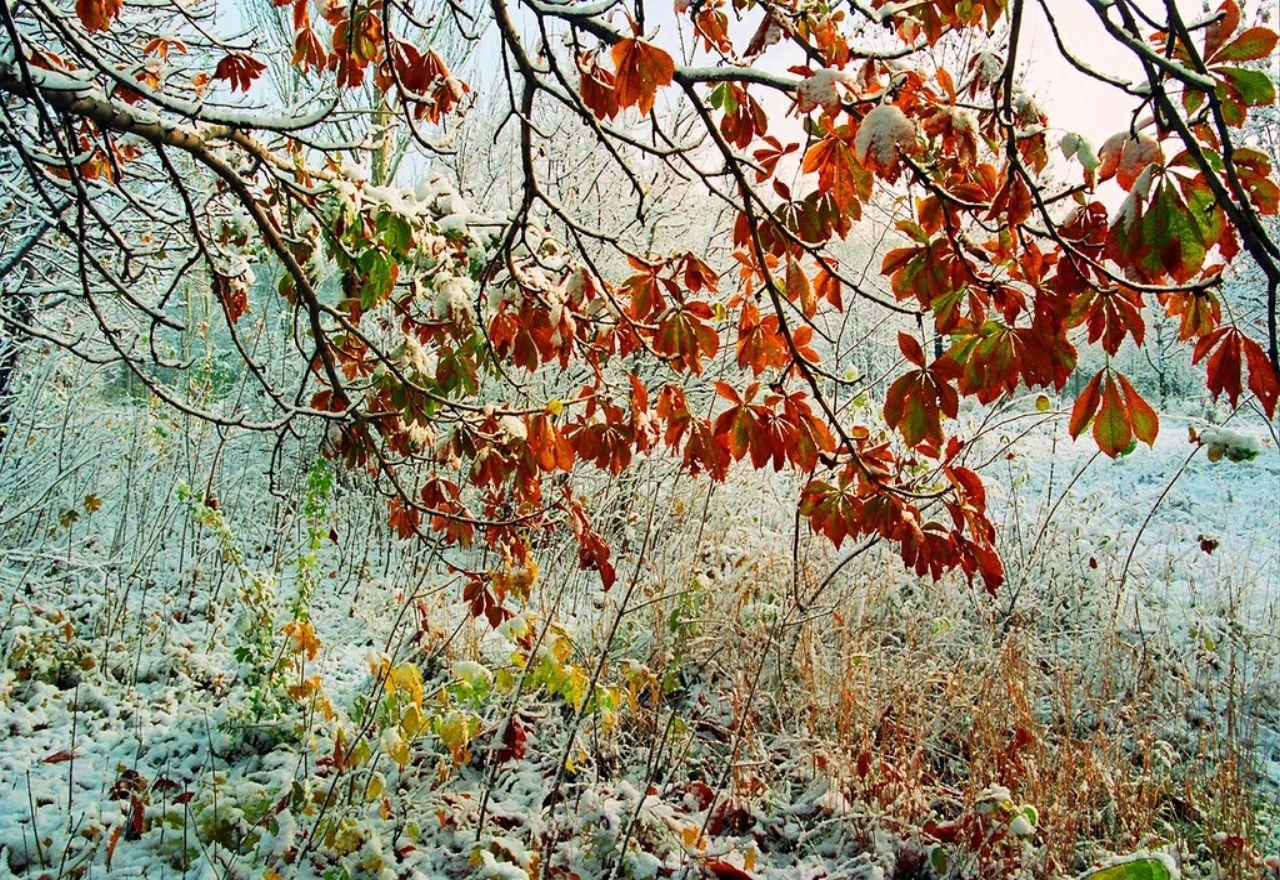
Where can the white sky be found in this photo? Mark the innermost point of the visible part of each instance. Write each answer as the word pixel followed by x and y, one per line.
pixel 1077 103
pixel 1073 101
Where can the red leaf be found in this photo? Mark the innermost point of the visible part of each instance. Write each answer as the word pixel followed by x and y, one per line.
pixel 911 349
pixel 308 51
pixel 1143 419
pixel 686 337
pixel 1086 405
pixel 234 296
pixel 835 512
pixel 1118 412
pixel 403 518
pixel 737 429
pixel 1223 366
pixel 239 69
pixel 726 870
pixel 760 345
pixel 137 819
pixel 1217 33
pixel 916 402
pixel 111 843
pixel 515 737
pixel 596 85
pixel 1262 376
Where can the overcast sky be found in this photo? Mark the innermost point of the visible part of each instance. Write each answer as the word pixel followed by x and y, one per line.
pixel 1075 102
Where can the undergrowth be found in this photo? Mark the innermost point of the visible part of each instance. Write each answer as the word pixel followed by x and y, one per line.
pixel 270 701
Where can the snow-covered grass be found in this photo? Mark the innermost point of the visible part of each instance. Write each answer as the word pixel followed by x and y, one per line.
pixel 229 689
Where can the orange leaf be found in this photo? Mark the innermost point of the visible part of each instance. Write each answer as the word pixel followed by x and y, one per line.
pixel 97 15
pixel 1125 156
pixel 828 286
pixel 799 289
pixel 839 172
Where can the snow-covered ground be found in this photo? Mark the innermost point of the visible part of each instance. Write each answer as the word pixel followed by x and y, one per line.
pixel 1200 531
pixel 127 749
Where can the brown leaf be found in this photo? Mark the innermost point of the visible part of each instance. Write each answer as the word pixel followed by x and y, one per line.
pixel 642 69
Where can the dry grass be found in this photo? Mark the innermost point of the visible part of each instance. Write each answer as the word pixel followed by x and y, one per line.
pixel 917 701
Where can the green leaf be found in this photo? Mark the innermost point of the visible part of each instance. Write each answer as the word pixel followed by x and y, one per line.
pixel 1240 87
pixel 721 98
pixel 397 235
pixel 379 276
pixel 1205 209
pixel 1171 236
pixel 1111 428
pixel 1138 869
pixel 1254 86
pixel 1252 44
pixel 939 861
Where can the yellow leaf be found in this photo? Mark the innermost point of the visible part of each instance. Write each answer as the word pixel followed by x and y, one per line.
pixel 561 646
pixel 692 837
pixel 406 678
pixel 398 750
pixel 413 723
pixel 361 754
pixel 456 731
pixel 577 687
